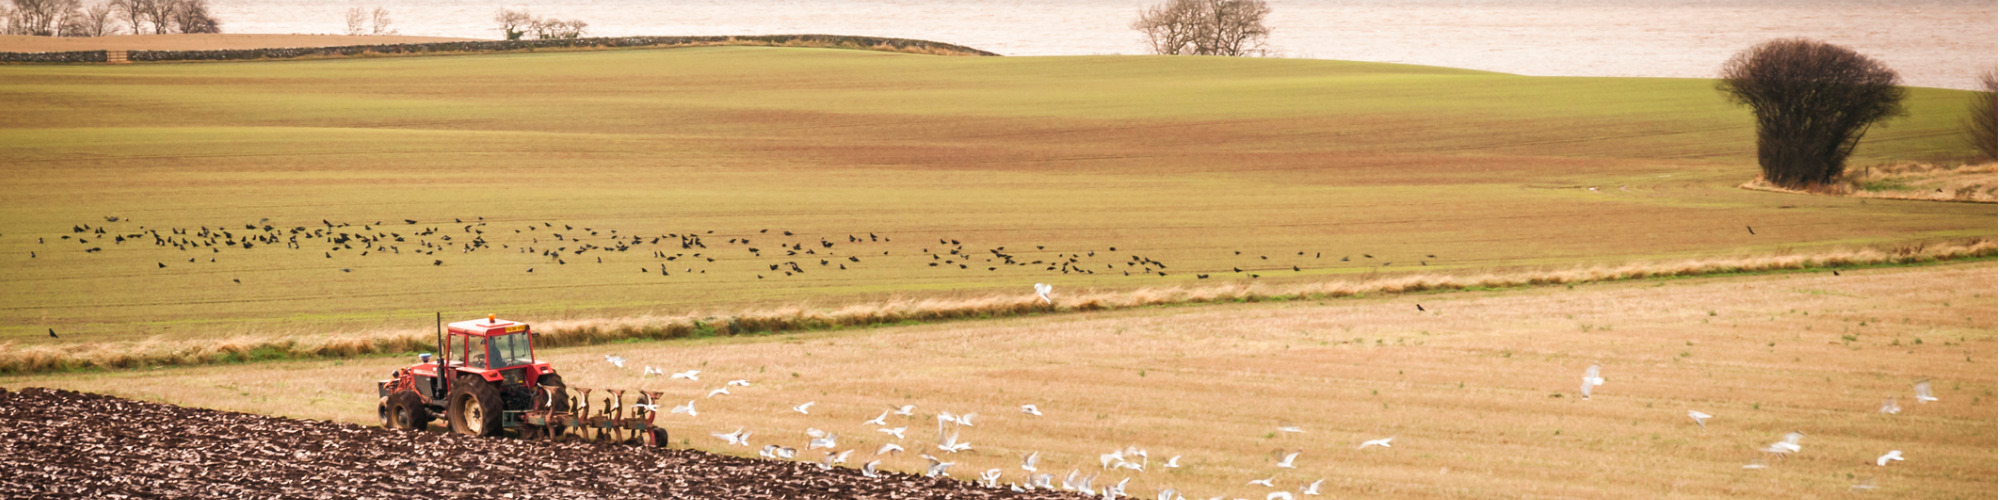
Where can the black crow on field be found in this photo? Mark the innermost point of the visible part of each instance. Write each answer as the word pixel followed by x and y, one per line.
pixel 52 334
pixel 437 262
pixel 1420 307
pixel 163 265
pixel 1753 232
pixel 410 221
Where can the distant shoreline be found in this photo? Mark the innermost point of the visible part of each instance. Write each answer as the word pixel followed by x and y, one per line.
pixel 167 48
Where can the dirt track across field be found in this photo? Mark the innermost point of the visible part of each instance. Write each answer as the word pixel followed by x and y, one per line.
pixel 62 444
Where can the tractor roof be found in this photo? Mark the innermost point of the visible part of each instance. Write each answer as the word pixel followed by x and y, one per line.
pixel 488 326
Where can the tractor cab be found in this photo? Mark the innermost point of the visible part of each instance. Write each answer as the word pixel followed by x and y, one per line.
pixel 493 348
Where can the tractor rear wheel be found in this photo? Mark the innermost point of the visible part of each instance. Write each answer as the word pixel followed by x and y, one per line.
pixel 474 407
pixel 406 411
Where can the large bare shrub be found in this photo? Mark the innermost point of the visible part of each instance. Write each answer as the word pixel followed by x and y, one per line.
pixel 357 22
pixel 1813 101
pixel 1205 27
pixel 382 24
pixel 1980 130
pixel 513 23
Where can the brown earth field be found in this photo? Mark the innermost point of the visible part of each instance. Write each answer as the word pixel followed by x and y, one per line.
pixel 62 444
pixel 22 43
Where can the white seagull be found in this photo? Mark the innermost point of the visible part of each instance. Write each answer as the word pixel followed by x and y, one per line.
pixel 888 448
pixel 1028 464
pixel 1883 461
pixel 739 383
pixel 1889 406
pixel 1286 463
pixel 690 375
pixel 614 360
pixel 1265 482
pixel 951 444
pixel 1700 419
pixel 1173 463
pixel 651 371
pixel 1279 495
pixel 879 419
pixel 1042 292
pixel 736 438
pixel 686 408
pixel 1031 410
pixel 868 470
pixel 802 408
pixel 1924 392
pixel 724 390
pixel 830 441
pixel 991 477
pixel 1313 489
pixel 898 432
pixel 1591 379
pixel 937 467
pixel 907 410
pixel 1788 446
pixel 1290 428
pixel 1384 442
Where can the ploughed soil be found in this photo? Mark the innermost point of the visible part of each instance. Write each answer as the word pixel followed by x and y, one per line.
pixel 23 43
pixel 62 444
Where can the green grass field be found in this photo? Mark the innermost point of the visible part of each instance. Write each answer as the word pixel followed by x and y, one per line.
pixel 1177 161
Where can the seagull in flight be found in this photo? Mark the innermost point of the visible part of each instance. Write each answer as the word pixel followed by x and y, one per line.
pixel 868 470
pixel 951 444
pixel 1028 464
pixel 802 408
pixel 1042 292
pixel 1286 463
pixel 1290 428
pixel 1173 463
pixel 1883 461
pixel 1279 495
pixel 1788 446
pixel 1700 419
pixel 614 360
pixel 907 410
pixel 898 432
pixel 1384 442
pixel 991 477
pixel 830 441
pixel 937 467
pixel 1313 489
pixel 1889 406
pixel 1265 482
pixel 648 407
pixel 690 375
pixel 738 383
pixel 686 408
pixel 879 419
pixel 651 371
pixel 888 448
pixel 724 390
pixel 1924 392
pixel 1591 379
pixel 1031 410
pixel 739 437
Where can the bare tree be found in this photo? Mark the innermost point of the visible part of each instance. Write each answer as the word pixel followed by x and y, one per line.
pixel 1205 27
pixel 1813 101
pixel 1984 108
pixel 381 22
pixel 357 21
pixel 191 16
pixel 159 15
pixel 133 12
pixel 44 17
pixel 96 20
pixel 513 23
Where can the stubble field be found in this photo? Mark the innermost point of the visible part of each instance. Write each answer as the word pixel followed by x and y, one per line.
pixel 1479 390
pixel 1342 170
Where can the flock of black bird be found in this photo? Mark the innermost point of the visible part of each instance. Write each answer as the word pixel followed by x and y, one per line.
pixel 772 255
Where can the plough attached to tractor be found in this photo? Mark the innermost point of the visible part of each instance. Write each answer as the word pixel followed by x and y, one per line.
pixel 485 380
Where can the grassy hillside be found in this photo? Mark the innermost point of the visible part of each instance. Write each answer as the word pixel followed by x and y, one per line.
pixel 1480 390
pixel 1177 161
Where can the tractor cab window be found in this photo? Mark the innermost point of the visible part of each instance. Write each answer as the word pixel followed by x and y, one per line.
pixel 508 350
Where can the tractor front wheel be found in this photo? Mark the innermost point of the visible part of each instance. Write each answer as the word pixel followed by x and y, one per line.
pixel 406 411
pixel 475 407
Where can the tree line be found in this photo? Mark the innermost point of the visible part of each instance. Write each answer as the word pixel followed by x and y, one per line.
pixel 138 17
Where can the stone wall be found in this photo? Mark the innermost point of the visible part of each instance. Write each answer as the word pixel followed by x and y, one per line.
pixel 827 41
pixel 84 56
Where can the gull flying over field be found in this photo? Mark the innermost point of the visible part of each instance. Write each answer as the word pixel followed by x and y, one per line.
pixel 1028 463
pixel 1286 463
pixel 1889 406
pixel 1591 378
pixel 1384 442
pixel 879 419
pixel 947 417
pixel 802 408
pixel 1313 489
pixel 907 410
pixel 888 448
pixel 738 383
pixel 1700 419
pixel 951 444
pixel 1924 392
pixel 648 407
pixel 1883 461
pixel 738 438
pixel 991 477
pixel 898 432
pixel 1788 446
pixel 937 467
pixel 1279 495
pixel 1031 410
pixel 1173 463
pixel 724 390
pixel 1290 428
pixel 868 469
pixel 1265 482
pixel 686 408
pixel 831 440
pixel 690 375
pixel 651 371
pixel 1042 292
pixel 614 360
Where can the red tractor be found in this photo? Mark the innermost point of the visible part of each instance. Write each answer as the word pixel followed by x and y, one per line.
pixel 485 380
